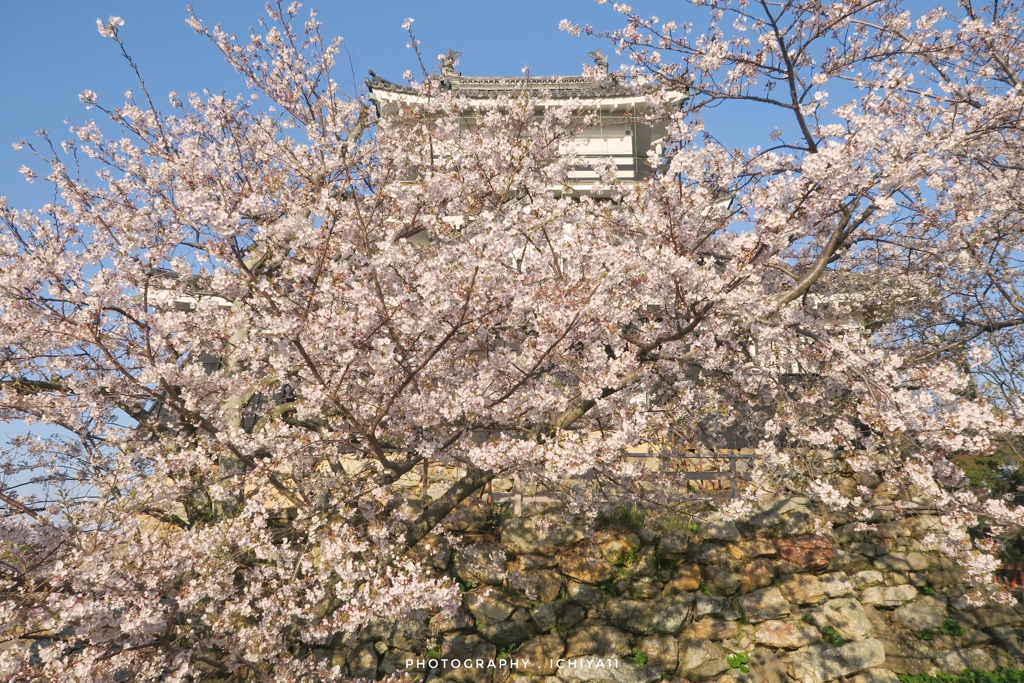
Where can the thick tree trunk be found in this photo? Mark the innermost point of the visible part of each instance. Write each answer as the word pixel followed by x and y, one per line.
pixel 474 480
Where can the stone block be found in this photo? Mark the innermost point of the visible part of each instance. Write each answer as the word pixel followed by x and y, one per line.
pixel 825 662
pixel 810 552
pixel 615 545
pixel 545 617
pixel 596 638
pixel 488 605
pixel 571 616
pixel 541 652
pixel 464 647
pixel 711 629
pixel 874 676
pixel 769 666
pixel 526 563
pixel 686 578
pixel 469 517
pixel 480 564
pixel 721 580
pixel 809 589
pixel 748 549
pixel 868 577
pixel 879 624
pixel 888 596
pixel 706 605
pixel 714 528
pixel 955 661
pixel 673 544
pixel 756 574
pixel 460 621
pixel 905 654
pixel 925 613
pixel 394 661
pixel 846 615
pixel 868 549
pixel 904 562
pixel 667 616
pixel 662 652
pixel 789 635
pixel 787 516
pixel 701 659
pixel 762 605
pixel 990 617
pixel 708 554
pixel 600 670
pixel 587 567
pixel 362 663
pixel 507 632
pixel 588 596
pixel 639 587
pixel 539 584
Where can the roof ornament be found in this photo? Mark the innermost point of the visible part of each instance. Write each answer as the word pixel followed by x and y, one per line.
pixel 448 62
pixel 600 60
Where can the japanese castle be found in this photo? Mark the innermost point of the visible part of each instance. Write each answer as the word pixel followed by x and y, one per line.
pixel 622 133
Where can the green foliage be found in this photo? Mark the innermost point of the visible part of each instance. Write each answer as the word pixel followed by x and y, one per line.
pixel 563 594
pixel 951 628
pixel 507 651
pixel 833 636
pixel 630 517
pixel 739 660
pixel 926 635
pixel 928 590
pixel 433 653
pixel 703 587
pixel 997 472
pixel 637 657
pixel 968 676
pixel 670 521
pixel 628 559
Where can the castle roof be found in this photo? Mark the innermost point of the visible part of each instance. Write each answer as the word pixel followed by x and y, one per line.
pixel 604 87
pixel 491 87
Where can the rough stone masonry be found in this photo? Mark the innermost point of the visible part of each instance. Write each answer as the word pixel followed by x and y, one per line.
pixel 769 599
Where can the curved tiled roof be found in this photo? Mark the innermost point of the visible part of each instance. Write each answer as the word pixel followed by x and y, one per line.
pixel 487 87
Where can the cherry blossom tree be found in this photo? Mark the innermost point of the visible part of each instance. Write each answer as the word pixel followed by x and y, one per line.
pixel 883 186
pixel 251 321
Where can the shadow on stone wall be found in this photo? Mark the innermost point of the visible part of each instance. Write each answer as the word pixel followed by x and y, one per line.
pixel 765 600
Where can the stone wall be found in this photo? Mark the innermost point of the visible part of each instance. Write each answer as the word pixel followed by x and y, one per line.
pixel 666 599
